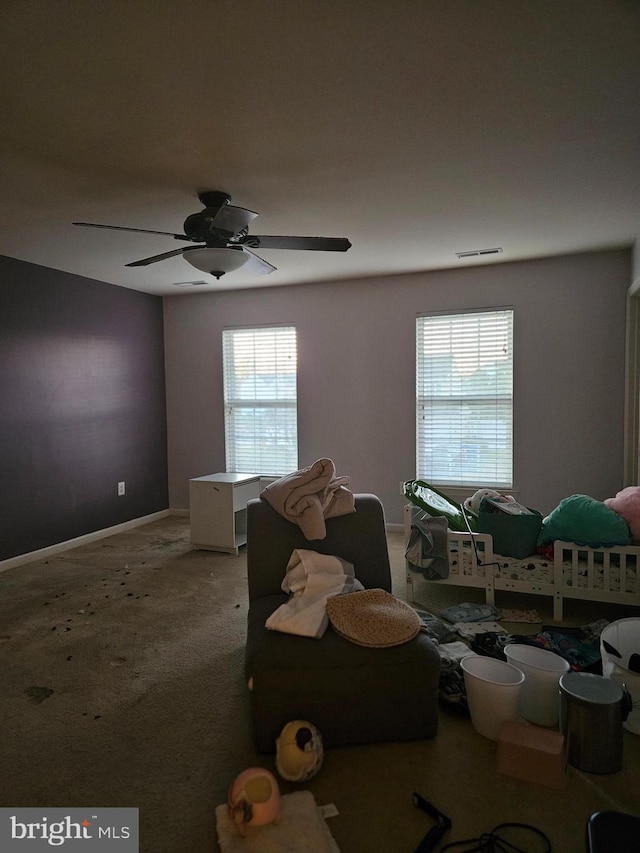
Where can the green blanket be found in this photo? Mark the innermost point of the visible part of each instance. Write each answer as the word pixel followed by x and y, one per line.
pixel 585 521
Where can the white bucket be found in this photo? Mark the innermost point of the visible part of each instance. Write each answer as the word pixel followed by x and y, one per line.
pixel 540 695
pixel 620 651
pixel 493 692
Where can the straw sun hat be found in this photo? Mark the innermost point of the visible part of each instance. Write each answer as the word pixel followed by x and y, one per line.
pixel 373 617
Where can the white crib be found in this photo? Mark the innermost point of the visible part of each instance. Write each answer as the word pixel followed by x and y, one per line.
pixel 576 571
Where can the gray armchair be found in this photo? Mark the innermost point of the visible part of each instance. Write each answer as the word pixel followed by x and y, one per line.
pixel 351 693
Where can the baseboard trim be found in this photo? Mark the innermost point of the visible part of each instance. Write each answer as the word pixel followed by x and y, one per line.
pixel 67 545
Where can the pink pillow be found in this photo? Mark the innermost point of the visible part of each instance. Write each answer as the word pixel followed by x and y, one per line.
pixel 627 504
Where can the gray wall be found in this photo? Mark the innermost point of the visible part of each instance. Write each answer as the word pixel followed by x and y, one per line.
pixel 82 406
pixel 356 374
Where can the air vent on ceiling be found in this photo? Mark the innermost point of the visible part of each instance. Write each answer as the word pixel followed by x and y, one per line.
pixel 474 253
pixel 188 283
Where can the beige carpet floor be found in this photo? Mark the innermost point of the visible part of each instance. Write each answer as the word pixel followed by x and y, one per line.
pixel 122 684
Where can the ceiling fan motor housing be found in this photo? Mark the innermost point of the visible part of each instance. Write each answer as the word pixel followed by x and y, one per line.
pixel 199 226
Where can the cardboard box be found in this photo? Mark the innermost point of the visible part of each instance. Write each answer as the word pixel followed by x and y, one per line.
pixel 532 753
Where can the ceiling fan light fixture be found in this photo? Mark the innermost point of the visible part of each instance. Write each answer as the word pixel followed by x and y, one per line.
pixel 216 261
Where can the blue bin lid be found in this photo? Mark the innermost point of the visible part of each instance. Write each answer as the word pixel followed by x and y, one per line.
pixel 589 688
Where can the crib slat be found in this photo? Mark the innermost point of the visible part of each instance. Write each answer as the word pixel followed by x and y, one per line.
pixel 591 578
pixel 606 565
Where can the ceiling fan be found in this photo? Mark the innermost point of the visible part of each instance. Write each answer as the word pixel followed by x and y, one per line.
pixel 222 229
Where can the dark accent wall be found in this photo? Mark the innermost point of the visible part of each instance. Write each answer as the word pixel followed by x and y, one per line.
pixel 82 406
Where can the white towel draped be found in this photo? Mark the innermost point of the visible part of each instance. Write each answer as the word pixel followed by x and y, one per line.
pixel 311 578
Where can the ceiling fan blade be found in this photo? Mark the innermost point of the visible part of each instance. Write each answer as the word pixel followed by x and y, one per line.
pixel 318 244
pixel 233 219
pixel 256 264
pixel 139 230
pixel 154 258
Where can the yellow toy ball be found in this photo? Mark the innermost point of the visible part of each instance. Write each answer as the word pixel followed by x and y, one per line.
pixel 299 751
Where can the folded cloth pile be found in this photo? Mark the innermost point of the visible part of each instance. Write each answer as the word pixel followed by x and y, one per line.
pixel 451 687
pixel 469 612
pixel 308 496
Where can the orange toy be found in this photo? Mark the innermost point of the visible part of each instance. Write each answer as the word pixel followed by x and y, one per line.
pixel 254 799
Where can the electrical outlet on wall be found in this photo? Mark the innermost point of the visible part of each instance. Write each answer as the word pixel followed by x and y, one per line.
pixel 121 489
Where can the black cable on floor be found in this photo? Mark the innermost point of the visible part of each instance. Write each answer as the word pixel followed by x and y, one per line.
pixel 493 842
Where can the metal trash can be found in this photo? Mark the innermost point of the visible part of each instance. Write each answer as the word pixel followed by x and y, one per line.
pixel 592 710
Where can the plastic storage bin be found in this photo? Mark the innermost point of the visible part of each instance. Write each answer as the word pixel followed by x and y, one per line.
pixel 513 535
pixel 493 692
pixel 540 694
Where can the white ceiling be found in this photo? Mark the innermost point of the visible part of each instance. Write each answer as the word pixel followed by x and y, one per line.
pixel 416 128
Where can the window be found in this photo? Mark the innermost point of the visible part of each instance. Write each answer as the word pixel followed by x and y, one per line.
pixel 260 403
pixel 464 399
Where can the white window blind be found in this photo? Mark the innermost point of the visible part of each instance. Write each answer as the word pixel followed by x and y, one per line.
pixel 260 402
pixel 464 399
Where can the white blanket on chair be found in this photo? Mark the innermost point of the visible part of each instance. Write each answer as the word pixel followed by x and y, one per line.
pixel 311 579
pixel 308 496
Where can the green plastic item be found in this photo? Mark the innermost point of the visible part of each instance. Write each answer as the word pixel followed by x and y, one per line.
pixel 436 503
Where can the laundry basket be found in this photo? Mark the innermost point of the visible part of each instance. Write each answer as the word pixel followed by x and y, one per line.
pixel 620 651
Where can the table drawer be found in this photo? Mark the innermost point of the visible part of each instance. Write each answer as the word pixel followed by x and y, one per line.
pixel 244 492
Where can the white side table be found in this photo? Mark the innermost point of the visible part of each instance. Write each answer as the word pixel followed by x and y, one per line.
pixel 218 510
